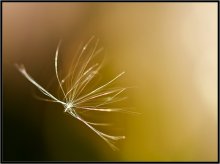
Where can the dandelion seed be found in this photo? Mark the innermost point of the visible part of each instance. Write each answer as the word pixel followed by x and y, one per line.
pixel 74 97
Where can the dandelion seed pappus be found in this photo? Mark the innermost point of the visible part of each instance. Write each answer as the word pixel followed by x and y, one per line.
pixel 75 100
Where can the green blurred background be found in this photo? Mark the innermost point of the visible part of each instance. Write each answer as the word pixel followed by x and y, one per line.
pixel 169 52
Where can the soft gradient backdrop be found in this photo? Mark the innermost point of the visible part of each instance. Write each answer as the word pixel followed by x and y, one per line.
pixel 169 53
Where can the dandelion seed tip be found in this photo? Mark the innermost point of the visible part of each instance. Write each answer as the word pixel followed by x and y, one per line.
pixel 20 67
pixel 16 65
pixel 122 73
pixel 58 46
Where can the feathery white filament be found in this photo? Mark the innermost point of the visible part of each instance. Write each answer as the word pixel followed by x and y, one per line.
pixel 78 82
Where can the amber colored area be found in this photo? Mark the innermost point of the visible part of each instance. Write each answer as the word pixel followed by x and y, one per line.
pixel 169 53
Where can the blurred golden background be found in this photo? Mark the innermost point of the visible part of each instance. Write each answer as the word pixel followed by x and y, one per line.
pixel 169 52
